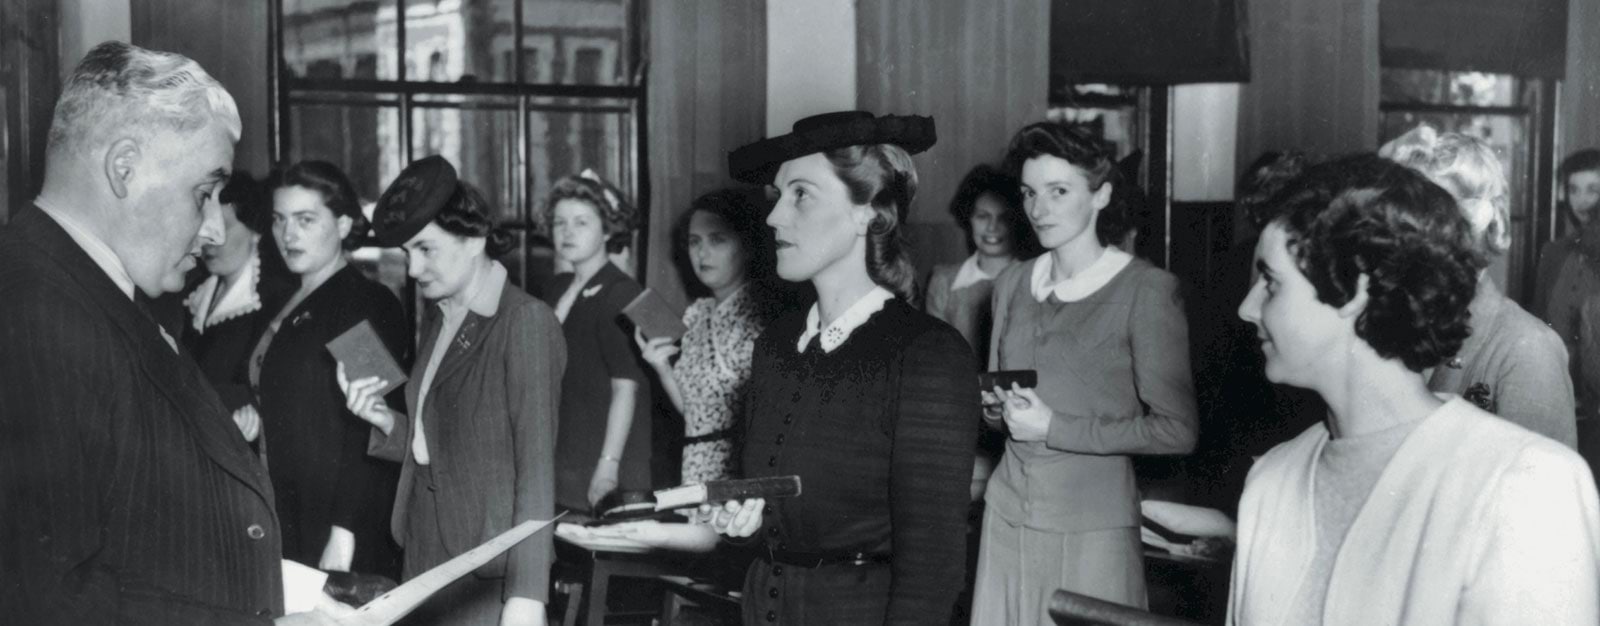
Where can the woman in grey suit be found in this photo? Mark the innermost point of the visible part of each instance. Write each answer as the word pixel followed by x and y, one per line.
pixel 478 445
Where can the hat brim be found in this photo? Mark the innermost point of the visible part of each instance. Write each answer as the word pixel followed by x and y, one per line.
pixel 757 163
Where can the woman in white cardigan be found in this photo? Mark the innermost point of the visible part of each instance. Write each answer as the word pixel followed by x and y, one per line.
pixel 1403 507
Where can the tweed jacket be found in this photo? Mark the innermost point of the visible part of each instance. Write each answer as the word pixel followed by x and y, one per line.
pixel 490 425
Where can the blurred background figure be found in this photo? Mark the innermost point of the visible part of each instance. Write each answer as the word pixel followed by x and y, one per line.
pixel 1512 365
pixel 604 441
pixel 225 310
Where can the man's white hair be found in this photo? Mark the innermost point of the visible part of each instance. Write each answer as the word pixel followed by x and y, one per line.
pixel 120 90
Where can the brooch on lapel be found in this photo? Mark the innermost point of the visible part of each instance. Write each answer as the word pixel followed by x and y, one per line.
pixel 589 293
pixel 304 316
pixel 1455 363
pixel 1478 394
pixel 462 338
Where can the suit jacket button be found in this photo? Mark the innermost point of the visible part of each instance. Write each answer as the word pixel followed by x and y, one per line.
pixel 264 612
pixel 255 531
pixel 772 616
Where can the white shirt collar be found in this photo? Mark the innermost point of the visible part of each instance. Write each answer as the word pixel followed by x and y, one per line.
pixel 970 274
pixel 243 297
pixel 483 292
pixel 846 323
pixel 97 249
pixel 1082 285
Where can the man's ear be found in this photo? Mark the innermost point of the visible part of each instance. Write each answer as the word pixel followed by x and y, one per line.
pixel 121 159
pixel 1358 302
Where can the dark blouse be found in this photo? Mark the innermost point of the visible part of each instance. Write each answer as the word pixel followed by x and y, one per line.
pixel 599 348
pixel 223 349
pixel 316 451
pixel 880 432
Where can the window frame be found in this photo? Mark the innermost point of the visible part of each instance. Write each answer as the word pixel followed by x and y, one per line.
pixel 286 90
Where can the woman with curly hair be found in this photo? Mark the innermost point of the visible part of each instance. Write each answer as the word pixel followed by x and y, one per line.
pixel 1512 365
pixel 1106 333
pixel 1402 507
pixel 603 439
pixel 988 208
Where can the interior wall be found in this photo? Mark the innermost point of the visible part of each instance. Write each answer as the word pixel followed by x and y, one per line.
pixel 707 95
pixel 811 60
pixel 229 39
pixel 87 23
pixel 979 68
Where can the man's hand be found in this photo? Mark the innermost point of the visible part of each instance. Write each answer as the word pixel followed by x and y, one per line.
pixel 520 611
pixel 248 419
pixel 339 552
pixel 327 613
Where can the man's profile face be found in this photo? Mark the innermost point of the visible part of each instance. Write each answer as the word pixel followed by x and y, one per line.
pixel 172 208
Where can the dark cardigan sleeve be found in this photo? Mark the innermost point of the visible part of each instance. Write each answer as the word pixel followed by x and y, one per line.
pixel 535 361
pixel 930 475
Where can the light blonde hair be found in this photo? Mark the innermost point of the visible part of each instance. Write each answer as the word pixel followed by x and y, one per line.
pixel 1467 168
pixel 122 88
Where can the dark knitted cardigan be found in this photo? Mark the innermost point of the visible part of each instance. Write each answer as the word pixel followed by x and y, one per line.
pixel 881 432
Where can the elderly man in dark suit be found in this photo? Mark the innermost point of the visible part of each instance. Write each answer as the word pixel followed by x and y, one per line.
pixel 127 494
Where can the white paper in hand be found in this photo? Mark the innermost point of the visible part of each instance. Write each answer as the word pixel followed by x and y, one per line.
pixel 401 601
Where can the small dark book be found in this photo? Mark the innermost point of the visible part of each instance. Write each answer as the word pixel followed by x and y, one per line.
pixel 1003 379
pixel 365 355
pixel 654 317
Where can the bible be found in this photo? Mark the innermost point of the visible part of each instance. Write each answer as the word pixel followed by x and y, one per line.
pixel 364 355
pixel 654 317
pixel 724 490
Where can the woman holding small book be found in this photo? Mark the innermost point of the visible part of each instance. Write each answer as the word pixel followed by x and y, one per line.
pixel 332 499
pixel 730 251
pixel 478 446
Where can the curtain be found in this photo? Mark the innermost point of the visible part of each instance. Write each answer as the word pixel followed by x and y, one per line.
pixel 1580 94
pixel 707 96
pixel 981 69
pixel 1313 78
pixel 1148 42
pixel 1521 37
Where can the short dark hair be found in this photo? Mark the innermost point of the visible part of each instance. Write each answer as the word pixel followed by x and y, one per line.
pixel 744 210
pixel 1079 146
pixel 252 204
pixel 1263 178
pixel 337 193
pixel 988 180
pixel 1363 214
pixel 468 214
pixel 1586 160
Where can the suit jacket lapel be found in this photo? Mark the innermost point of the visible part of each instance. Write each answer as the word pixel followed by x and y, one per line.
pixel 174 376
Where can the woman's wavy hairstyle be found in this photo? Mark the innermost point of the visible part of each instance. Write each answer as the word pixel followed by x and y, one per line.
pixel 988 180
pixel 883 177
pixel 337 193
pixel 1079 146
pixel 468 214
pixel 744 210
pixel 1585 160
pixel 1467 168
pixel 1364 214
pixel 617 216
pixel 1263 178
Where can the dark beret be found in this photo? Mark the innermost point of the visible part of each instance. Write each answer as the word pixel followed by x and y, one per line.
pixel 757 163
pixel 412 200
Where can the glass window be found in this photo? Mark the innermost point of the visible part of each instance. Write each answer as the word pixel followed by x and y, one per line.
pixel 515 93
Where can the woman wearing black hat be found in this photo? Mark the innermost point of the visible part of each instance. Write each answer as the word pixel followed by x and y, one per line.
pixel 478 445
pixel 867 399
pixel 332 499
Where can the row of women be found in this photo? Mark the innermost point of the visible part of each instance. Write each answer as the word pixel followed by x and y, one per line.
pixel 1367 289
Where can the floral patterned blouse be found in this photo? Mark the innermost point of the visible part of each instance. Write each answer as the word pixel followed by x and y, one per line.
pixel 712 371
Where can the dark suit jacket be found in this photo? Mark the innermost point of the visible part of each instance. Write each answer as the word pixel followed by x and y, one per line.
pixel 127 495
pixel 490 422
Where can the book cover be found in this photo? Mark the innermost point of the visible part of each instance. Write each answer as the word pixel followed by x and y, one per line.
pixel 654 317
pixel 364 355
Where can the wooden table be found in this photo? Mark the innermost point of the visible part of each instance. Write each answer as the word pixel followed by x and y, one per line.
pixel 592 570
